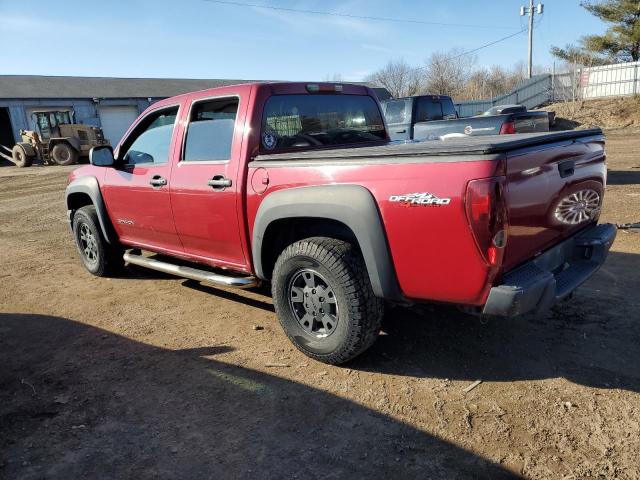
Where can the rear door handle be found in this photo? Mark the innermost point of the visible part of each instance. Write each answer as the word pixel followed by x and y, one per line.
pixel 566 168
pixel 219 182
pixel 158 181
pixel 404 130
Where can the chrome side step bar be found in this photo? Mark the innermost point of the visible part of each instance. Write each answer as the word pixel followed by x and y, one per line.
pixel 192 273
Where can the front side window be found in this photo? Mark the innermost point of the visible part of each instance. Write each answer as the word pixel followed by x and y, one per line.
pixel 150 142
pixel 448 110
pixel 315 121
pixel 210 130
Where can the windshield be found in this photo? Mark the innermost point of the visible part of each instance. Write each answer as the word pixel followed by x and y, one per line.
pixel 53 119
pixel 491 111
pixel 62 118
pixel 303 121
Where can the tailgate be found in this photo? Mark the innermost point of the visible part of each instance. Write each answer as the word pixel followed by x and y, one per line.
pixel 553 190
pixel 470 126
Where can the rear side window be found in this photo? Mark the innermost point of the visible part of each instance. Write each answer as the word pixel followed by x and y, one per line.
pixel 149 144
pixel 428 109
pixel 397 111
pixel 314 121
pixel 210 130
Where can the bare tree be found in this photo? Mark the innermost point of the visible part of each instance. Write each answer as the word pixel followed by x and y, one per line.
pixel 446 73
pixel 450 73
pixel 476 86
pixel 485 83
pixel 398 77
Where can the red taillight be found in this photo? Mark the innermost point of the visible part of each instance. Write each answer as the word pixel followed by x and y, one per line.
pixel 487 217
pixel 508 128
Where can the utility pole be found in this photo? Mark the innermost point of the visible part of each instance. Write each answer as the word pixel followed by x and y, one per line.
pixel 531 11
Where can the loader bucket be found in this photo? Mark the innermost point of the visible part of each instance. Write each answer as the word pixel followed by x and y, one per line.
pixel 5 152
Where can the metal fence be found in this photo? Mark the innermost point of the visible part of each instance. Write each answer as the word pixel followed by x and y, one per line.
pixel 531 93
pixel 598 82
pixel 579 83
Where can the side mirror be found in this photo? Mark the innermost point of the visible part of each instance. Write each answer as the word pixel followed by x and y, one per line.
pixel 101 156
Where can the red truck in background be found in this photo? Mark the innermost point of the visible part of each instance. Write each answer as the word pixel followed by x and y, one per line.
pixel 297 184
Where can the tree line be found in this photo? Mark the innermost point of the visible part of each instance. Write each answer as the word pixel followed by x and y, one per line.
pixel 448 73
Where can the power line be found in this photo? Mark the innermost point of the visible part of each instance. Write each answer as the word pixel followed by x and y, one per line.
pixel 347 15
pixel 488 44
pixel 469 52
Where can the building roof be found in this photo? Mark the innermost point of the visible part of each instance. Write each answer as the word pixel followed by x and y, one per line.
pixel 37 86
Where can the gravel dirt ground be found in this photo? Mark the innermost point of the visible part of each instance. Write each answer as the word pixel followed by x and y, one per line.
pixel 150 376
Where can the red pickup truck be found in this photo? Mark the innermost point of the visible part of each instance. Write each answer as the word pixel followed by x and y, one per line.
pixel 298 185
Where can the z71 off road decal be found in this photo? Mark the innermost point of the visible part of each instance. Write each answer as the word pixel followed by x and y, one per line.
pixel 424 199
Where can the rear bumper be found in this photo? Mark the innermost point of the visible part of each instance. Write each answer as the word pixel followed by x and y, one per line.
pixel 553 275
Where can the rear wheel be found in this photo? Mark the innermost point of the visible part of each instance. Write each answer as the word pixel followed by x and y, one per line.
pixel 98 257
pixel 324 300
pixel 20 157
pixel 64 154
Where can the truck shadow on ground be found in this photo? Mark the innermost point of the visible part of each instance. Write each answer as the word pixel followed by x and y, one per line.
pixel 593 339
pixel 234 296
pixel 77 401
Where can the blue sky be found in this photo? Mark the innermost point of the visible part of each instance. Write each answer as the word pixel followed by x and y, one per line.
pixel 199 39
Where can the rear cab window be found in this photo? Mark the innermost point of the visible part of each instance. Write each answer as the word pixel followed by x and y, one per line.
pixel 435 108
pixel 306 121
pixel 428 109
pixel 398 111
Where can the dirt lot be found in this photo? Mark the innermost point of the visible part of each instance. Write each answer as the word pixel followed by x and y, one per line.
pixel 151 376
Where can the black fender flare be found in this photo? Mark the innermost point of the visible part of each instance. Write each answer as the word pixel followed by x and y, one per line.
pixel 89 186
pixel 351 205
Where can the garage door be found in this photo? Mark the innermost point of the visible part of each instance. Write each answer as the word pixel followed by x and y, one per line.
pixel 116 120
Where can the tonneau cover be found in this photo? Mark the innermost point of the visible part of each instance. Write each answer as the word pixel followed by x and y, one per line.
pixel 480 145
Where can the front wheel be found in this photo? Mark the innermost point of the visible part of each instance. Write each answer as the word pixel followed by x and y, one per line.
pixel 324 300
pixel 98 257
pixel 20 157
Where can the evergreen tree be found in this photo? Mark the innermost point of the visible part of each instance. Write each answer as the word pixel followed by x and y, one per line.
pixel 621 41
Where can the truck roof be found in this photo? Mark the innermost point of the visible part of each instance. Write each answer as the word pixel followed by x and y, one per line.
pixel 278 88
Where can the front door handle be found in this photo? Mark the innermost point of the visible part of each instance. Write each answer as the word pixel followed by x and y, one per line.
pixel 158 181
pixel 219 182
pixel 404 130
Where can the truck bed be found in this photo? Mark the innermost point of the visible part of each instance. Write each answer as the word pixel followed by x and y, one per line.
pixel 480 145
pixel 537 170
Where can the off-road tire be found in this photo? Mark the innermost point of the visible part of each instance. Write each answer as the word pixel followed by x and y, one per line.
pixel 20 157
pixel 64 154
pixel 107 259
pixel 359 311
